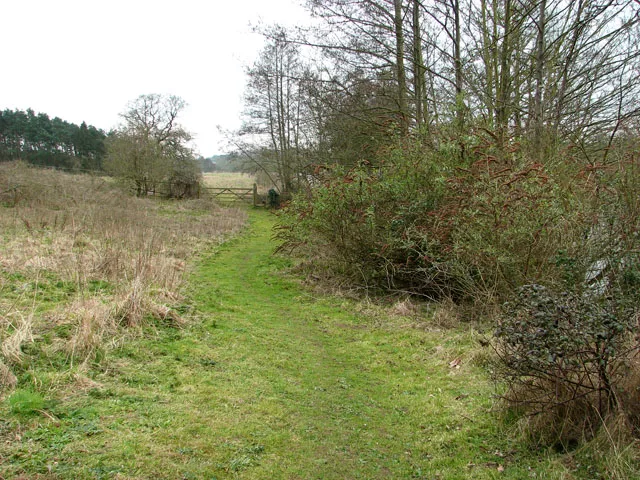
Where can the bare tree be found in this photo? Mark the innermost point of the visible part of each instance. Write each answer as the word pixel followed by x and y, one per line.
pixel 274 124
pixel 150 148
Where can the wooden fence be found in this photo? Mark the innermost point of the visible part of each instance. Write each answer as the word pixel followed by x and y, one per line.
pixel 231 194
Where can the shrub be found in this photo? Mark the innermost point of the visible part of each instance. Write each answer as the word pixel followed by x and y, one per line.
pixel 354 221
pixel 434 223
pixel 565 355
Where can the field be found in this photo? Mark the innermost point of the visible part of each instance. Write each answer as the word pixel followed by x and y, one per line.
pixel 80 260
pixel 237 180
pixel 229 180
pixel 146 339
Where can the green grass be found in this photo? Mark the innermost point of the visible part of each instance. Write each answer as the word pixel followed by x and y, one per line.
pixel 272 381
pixel 25 402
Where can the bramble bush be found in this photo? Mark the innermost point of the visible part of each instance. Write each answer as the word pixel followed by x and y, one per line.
pixel 436 223
pixel 558 241
pixel 355 223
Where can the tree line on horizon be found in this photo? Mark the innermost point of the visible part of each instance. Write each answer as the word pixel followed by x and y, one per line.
pixel 52 142
pixel 40 140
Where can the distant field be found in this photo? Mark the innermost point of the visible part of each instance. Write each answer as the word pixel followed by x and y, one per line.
pixel 229 179
pixel 234 180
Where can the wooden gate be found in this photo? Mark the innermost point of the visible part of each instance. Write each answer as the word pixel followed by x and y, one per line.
pixel 233 194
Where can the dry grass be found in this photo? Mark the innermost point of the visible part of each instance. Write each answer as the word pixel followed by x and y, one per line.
pixel 17 333
pixel 229 179
pixel 237 180
pixel 7 379
pixel 92 322
pixel 79 250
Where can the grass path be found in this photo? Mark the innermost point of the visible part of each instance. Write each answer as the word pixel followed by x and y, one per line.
pixel 272 383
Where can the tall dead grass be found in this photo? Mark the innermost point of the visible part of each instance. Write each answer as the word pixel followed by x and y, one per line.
pixel 125 257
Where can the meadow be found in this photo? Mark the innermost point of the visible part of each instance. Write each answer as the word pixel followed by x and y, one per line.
pixel 150 339
pixel 229 180
pixel 237 180
pixel 80 259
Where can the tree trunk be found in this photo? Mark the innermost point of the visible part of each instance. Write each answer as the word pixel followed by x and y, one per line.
pixel 457 61
pixel 540 60
pixel 400 70
pixel 418 69
pixel 488 60
pixel 504 87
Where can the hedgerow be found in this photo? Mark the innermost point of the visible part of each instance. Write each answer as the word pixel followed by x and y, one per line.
pixel 430 223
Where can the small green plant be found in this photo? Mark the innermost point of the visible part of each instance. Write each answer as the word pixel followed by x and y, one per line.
pixel 25 402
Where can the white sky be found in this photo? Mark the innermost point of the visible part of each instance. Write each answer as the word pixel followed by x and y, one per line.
pixel 83 60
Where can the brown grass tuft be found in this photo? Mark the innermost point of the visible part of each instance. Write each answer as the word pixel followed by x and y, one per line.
pixel 130 308
pixel 21 333
pixel 7 379
pixel 405 308
pixel 83 383
pixel 446 314
pixel 92 322
pixel 629 395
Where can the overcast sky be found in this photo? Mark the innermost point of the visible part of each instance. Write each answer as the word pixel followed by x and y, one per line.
pixel 83 60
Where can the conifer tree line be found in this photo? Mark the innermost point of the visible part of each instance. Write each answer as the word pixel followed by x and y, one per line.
pixel 41 140
pixel 544 73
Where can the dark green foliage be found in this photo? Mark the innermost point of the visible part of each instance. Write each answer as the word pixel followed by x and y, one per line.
pixel 360 221
pixel 437 223
pixel 41 140
pixel 575 340
pixel 565 354
pixel 273 198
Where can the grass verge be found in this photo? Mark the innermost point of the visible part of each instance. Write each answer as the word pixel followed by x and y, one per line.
pixel 271 381
pixel 84 266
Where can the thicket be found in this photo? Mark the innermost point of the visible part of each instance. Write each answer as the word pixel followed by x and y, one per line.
pixel 482 221
pixel 438 223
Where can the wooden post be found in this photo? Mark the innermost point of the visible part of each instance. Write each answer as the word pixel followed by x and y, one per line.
pixel 255 194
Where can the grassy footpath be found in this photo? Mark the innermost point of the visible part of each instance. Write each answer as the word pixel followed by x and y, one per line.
pixel 272 382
